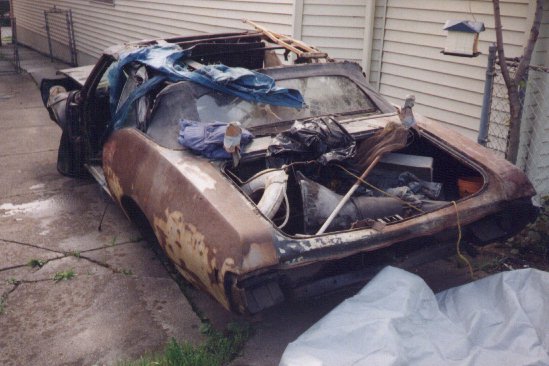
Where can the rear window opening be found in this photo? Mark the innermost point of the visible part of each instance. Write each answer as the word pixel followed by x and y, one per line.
pixel 323 95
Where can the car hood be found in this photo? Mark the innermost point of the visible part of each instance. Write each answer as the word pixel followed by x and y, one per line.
pixel 78 74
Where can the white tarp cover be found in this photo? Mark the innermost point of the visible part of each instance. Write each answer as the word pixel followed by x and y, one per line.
pixel 397 320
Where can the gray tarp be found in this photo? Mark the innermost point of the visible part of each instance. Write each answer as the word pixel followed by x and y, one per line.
pixel 397 320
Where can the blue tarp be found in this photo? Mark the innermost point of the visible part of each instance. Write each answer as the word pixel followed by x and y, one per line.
pixel 207 138
pixel 246 84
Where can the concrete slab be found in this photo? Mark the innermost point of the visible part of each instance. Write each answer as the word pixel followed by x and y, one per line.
pixel 37 176
pixel 14 254
pixel 65 220
pixel 134 258
pixel 92 320
pixel 7 276
pixel 38 65
pixel 5 67
pixel 79 267
pixel 37 139
pixel 26 117
pixel 120 304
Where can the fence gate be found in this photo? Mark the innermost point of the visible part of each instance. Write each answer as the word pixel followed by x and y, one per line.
pixel 533 155
pixel 55 19
pixel 9 47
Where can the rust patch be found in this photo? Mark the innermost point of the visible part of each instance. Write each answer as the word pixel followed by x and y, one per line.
pixel 113 182
pixel 189 249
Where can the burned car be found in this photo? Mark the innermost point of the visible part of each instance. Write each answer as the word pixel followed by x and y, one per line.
pixel 265 179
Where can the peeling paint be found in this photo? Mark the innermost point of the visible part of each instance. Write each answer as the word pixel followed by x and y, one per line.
pixel 201 180
pixel 113 182
pixel 188 248
pixel 112 179
pixel 256 256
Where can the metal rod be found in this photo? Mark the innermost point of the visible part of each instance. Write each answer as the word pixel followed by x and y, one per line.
pixel 487 98
pixel 15 42
pixel 72 39
pixel 347 196
pixel 48 34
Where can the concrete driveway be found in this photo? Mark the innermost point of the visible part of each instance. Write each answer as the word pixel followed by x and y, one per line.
pixel 113 299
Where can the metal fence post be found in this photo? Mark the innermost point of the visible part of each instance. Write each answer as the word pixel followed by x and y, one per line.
pixel 48 34
pixel 15 42
pixel 487 99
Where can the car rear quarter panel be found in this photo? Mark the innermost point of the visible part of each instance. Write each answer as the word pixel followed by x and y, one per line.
pixel 201 221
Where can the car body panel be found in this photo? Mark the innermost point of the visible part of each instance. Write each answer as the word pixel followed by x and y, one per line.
pixel 204 226
pixel 78 74
pixel 209 229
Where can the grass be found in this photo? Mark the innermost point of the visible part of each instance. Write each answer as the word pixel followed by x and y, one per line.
pixel 2 305
pixel 218 349
pixel 73 253
pixel 533 241
pixel 36 263
pixel 125 271
pixel 64 275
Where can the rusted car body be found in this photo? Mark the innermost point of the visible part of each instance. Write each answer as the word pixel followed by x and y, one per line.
pixel 215 234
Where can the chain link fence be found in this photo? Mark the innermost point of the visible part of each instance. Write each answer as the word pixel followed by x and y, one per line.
pixel 533 156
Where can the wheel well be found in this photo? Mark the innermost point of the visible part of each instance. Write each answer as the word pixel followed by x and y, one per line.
pixel 138 217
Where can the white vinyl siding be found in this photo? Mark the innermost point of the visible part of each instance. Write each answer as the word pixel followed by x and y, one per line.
pixel 336 27
pixel 99 25
pixel 447 88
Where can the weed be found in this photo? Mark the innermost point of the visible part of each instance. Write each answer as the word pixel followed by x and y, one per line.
pixel 73 253
pixel 125 271
pixel 113 241
pixel 532 243
pixel 490 264
pixel 13 281
pixel 64 275
pixel 36 263
pixel 3 300
pixel 218 349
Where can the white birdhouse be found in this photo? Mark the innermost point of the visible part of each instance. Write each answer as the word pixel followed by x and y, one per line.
pixel 462 39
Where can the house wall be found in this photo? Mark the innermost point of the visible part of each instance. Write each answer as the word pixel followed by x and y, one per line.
pixel 338 28
pixel 447 88
pixel 98 25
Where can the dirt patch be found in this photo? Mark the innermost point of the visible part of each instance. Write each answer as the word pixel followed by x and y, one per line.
pixel 528 249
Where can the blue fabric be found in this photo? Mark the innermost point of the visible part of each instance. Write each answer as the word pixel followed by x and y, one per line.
pixel 246 84
pixel 207 138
